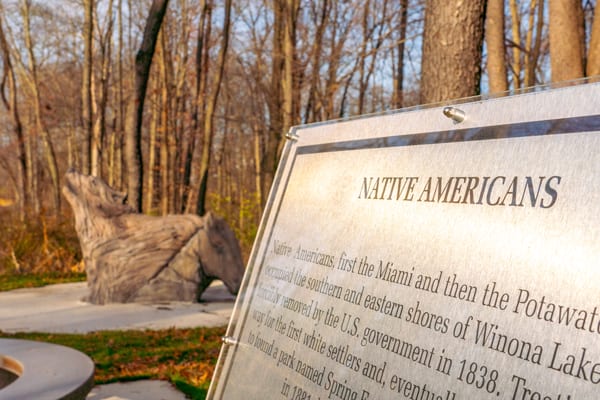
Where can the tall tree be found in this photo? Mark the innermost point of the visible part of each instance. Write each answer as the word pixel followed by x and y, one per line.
pixel 533 44
pixel 593 63
pixel 282 104
pixel 211 104
pixel 494 37
pixel 12 105
pixel 90 145
pixel 33 83
pixel 133 140
pixel 116 138
pixel 527 36
pixel 101 105
pixel 320 11
pixel 398 97
pixel 516 43
pixel 193 142
pixel 288 85
pixel 374 19
pixel 274 136
pixel 452 44
pixel 566 40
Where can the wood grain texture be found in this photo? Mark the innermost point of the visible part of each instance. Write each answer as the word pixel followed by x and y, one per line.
pixel 131 257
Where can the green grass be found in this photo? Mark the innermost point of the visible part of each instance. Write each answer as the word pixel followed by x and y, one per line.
pixel 185 357
pixel 18 281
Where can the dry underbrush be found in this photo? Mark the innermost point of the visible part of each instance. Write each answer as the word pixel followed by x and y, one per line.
pixel 38 245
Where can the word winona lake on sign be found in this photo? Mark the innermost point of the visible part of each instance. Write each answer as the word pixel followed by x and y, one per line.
pixel 407 256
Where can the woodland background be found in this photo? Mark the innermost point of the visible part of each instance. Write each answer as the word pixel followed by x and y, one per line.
pixel 184 104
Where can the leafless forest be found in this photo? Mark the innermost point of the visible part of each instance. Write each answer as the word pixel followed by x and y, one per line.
pixel 185 104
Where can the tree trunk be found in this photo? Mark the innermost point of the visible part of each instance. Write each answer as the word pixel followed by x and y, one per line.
pixel 193 164
pixel 537 46
pixel 210 111
pixel 366 38
pixel 529 77
pixel 37 110
pixel 115 171
pixel 313 106
pixel 274 135
pixel 12 105
pixel 89 149
pixel 494 34
pixel 398 98
pixel 452 42
pixel 566 47
pixel 289 51
pixel 163 111
pixel 99 129
pixel 143 61
pixel 256 134
pixel 516 39
pixel 152 133
pixel 593 64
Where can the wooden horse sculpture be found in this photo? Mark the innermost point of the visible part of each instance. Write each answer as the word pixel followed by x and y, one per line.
pixel 131 257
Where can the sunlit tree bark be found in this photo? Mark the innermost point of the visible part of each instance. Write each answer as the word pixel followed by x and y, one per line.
pixel 566 44
pixel 321 11
pixel 133 140
pixel 494 34
pixel 452 44
pixel 194 141
pixel 593 64
pixel 398 98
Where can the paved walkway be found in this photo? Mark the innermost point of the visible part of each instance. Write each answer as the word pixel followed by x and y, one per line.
pixel 58 309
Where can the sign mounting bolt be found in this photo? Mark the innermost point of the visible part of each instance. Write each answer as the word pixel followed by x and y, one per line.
pixel 454 114
pixel 229 340
pixel 291 135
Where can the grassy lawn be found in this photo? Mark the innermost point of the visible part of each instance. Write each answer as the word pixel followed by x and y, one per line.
pixel 185 357
pixel 17 281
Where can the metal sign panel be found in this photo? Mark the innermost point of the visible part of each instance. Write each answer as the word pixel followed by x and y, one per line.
pixel 417 255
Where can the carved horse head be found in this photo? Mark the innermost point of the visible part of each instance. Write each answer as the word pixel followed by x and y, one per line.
pixel 220 255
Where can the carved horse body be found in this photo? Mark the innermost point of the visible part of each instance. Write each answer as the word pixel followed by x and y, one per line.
pixel 131 257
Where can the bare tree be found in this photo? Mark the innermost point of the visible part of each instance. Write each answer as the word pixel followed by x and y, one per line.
pixel 100 105
pixel 200 197
pixel 12 105
pixel 191 183
pixel 31 78
pixel 133 139
pixel 90 144
pixel 398 98
pixel 320 11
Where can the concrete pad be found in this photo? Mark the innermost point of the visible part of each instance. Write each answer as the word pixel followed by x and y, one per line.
pixel 139 390
pixel 59 309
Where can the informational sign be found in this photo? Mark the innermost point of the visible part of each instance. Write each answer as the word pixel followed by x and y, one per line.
pixel 419 256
